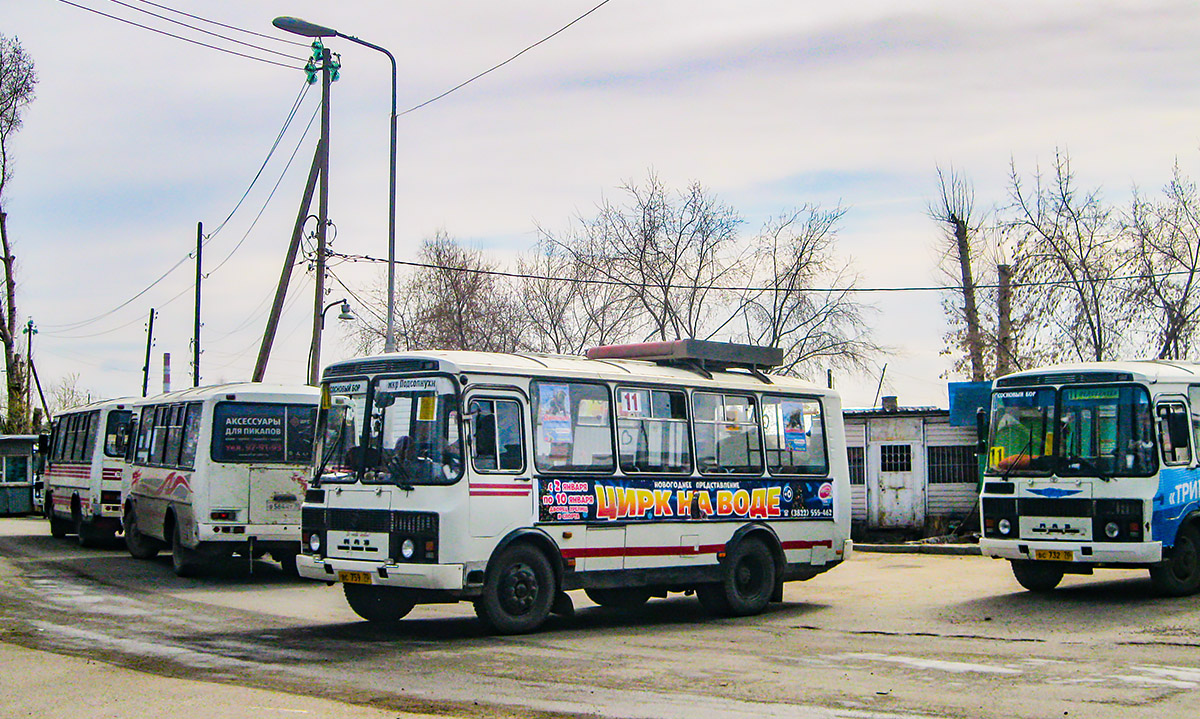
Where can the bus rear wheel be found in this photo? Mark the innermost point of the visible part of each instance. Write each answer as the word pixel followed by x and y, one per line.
pixel 59 527
pixel 619 598
pixel 185 561
pixel 381 605
pixel 1036 576
pixel 1179 575
pixel 519 591
pixel 139 545
pixel 748 583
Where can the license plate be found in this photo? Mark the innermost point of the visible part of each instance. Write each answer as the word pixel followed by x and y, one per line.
pixel 1055 555
pixel 354 577
pixel 281 506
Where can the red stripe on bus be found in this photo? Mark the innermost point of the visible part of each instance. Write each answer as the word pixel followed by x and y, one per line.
pixel 584 552
pixel 499 493
pixel 674 551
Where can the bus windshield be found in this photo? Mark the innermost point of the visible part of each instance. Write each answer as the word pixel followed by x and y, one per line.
pixel 1075 431
pixel 415 428
pixel 412 432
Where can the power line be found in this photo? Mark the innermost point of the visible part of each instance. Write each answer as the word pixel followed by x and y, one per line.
pixel 286 124
pixel 191 255
pixel 201 30
pixel 269 197
pixel 179 37
pixel 220 24
pixel 617 283
pixel 502 64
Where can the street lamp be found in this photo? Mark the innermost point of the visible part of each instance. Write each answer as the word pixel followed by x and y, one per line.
pixel 345 314
pixel 308 29
pixel 314 356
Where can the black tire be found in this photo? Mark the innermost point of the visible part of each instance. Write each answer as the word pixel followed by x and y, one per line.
pixel 185 561
pixel 287 562
pixel 139 545
pixel 381 605
pixel 748 583
pixel 59 527
pixel 1036 576
pixel 518 592
pixel 621 598
pixel 85 532
pixel 1179 575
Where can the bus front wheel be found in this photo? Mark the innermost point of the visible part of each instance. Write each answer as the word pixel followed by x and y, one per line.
pixel 519 591
pixel 1179 575
pixel 1036 576
pixel 382 605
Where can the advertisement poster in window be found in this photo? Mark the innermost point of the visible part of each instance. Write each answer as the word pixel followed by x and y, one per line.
pixel 554 412
pixel 795 430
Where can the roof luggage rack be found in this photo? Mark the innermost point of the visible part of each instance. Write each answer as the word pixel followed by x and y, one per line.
pixel 701 356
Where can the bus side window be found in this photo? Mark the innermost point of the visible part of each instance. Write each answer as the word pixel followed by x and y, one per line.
pixel 497 436
pixel 1174 429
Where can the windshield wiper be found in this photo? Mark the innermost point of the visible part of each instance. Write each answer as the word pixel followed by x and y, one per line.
pixel 329 455
pixel 1084 464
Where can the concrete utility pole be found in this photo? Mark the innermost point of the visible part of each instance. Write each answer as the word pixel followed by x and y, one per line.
pixel 1004 321
pixel 149 344
pixel 314 367
pixel 30 331
pixel 196 332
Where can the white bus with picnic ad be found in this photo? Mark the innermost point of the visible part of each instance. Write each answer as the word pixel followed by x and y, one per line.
pixel 507 480
pixel 1093 465
pixel 82 475
pixel 221 470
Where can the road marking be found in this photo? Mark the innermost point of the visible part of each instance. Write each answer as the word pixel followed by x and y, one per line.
pixel 937 664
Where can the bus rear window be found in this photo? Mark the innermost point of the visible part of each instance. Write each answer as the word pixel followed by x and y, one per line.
pixel 263 432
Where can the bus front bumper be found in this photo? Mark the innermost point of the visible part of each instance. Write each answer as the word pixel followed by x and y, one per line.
pixel 443 577
pixel 1089 553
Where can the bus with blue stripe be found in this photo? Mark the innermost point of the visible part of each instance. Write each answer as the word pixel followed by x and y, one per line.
pixel 1093 465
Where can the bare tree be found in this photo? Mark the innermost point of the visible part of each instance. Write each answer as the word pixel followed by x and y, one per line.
pixel 17 82
pixel 1164 253
pixel 66 393
pixel 800 298
pixel 567 310
pixel 455 301
pixel 961 248
pixel 1066 265
pixel 670 253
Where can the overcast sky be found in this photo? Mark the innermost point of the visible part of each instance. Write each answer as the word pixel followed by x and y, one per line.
pixel 135 137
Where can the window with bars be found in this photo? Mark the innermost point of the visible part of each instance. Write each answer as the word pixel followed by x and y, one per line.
pixel 895 458
pixel 953 465
pixel 858 464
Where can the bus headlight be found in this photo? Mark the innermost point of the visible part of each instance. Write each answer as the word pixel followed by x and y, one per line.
pixel 408 548
pixel 314 542
pixel 1004 526
pixel 1111 530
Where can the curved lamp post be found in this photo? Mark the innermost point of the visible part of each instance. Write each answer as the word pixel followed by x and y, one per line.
pixel 308 29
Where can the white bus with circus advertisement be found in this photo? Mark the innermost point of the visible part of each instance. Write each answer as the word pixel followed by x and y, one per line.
pixel 509 479
pixel 82 475
pixel 217 471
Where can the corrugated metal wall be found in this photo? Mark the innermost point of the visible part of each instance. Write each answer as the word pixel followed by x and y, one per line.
pixel 952 500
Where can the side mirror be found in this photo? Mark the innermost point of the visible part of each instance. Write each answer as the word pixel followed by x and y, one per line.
pixel 981 431
pixel 43 444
